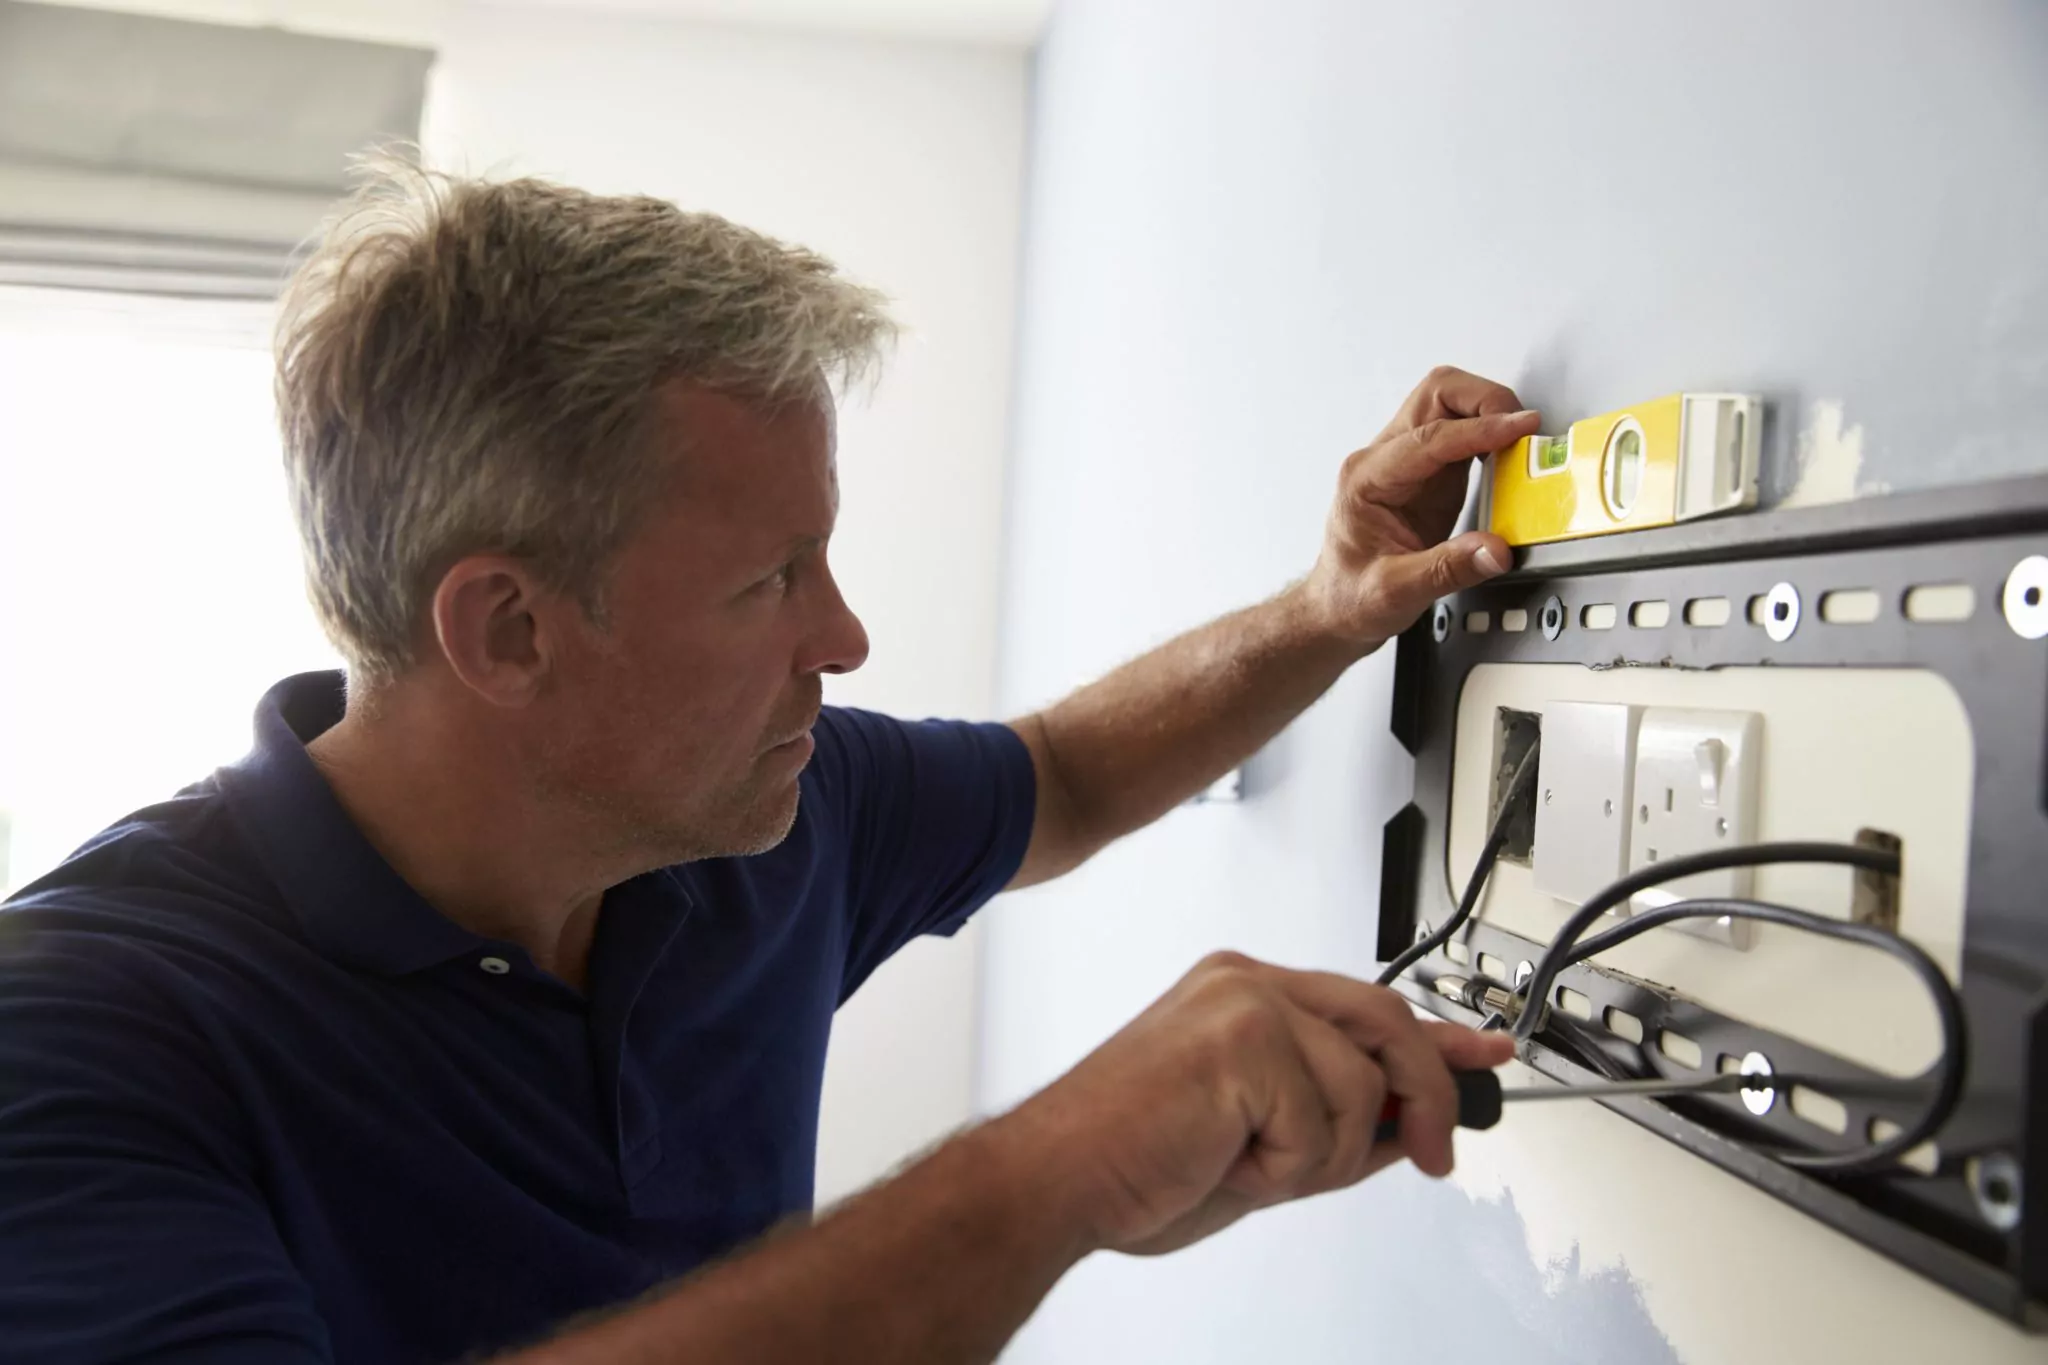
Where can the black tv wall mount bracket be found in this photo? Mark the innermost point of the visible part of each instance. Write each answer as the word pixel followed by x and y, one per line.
pixel 1979 1222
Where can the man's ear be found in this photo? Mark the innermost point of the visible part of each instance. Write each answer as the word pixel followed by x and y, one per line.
pixel 488 622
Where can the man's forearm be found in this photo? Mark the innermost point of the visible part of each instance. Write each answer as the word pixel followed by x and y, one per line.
pixel 1121 752
pixel 940 1265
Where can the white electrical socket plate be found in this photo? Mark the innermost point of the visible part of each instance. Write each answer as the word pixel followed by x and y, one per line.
pixel 1584 774
pixel 1696 790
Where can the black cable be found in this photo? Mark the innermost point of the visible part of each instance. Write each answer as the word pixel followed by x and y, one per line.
pixel 1567 1035
pixel 1523 782
pixel 1642 879
pixel 1948 1008
pixel 1565 950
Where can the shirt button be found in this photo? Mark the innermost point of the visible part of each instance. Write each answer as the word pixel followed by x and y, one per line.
pixel 496 966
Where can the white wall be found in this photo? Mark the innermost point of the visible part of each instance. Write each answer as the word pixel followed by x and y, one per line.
pixel 901 161
pixel 1251 229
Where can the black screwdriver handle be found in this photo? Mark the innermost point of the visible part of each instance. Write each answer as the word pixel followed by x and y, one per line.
pixel 1479 1105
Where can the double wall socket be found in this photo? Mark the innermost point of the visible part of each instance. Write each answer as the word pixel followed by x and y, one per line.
pixel 1621 787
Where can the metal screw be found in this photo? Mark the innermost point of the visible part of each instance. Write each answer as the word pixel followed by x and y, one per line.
pixel 1607 806
pixel 1721 828
pixel 1441 626
pixel 2026 598
pixel 1546 796
pixel 1523 971
pixel 1422 931
pixel 1758 1101
pixel 1995 1181
pixel 1553 618
pixel 1781 612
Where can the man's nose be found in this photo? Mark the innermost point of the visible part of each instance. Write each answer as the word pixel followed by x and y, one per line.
pixel 842 641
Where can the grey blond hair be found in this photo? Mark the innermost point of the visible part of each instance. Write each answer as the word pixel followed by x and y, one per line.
pixel 469 366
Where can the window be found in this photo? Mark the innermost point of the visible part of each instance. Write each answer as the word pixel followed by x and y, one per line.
pixel 150 586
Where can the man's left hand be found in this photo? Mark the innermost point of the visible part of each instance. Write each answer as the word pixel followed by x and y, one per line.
pixel 1384 558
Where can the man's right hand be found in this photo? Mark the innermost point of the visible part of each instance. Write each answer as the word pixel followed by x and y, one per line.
pixel 1246 1085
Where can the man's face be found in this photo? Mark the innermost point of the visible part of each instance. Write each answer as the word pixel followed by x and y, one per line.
pixel 681 724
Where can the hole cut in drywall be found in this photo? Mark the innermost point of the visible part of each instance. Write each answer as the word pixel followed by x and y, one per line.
pixel 1850 607
pixel 1875 899
pixel 1650 615
pixel 1623 1024
pixel 1708 611
pixel 1936 603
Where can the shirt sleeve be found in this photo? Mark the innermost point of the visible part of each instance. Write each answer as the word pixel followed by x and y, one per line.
pixel 936 816
pixel 131 1224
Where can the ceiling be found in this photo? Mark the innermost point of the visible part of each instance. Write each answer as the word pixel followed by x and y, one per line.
pixel 1013 22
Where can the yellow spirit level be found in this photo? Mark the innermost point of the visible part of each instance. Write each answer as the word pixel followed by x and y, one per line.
pixel 1672 459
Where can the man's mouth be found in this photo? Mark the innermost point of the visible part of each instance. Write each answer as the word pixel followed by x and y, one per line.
pixel 795 738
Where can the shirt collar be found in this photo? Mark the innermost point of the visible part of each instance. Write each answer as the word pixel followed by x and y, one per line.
pixel 352 905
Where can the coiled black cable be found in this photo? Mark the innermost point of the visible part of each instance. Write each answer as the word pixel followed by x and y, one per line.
pixel 1656 874
pixel 1949 1068
pixel 1566 950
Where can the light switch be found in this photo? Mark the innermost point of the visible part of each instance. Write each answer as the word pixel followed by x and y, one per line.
pixel 1584 775
pixel 1696 789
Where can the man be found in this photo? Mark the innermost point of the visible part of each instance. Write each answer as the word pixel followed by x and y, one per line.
pixel 494 988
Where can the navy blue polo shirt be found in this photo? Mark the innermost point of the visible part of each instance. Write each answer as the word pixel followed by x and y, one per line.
pixel 260 1102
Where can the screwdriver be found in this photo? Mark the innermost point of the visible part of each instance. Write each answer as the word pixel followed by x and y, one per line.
pixel 1481 1096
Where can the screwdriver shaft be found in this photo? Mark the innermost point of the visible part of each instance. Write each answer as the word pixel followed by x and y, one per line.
pixel 1480 1095
pixel 1726 1084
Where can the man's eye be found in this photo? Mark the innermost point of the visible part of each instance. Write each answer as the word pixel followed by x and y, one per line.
pixel 779 580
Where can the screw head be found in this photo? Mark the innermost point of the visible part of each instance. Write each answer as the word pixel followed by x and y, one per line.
pixel 1553 618
pixel 1440 624
pixel 1995 1182
pixel 1781 612
pixel 1422 931
pixel 1523 971
pixel 1758 1101
pixel 2026 598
